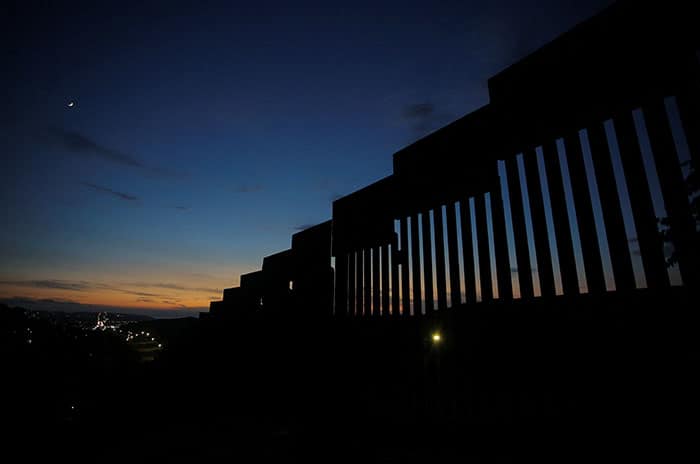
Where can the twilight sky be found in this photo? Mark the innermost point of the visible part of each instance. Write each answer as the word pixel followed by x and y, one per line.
pixel 204 134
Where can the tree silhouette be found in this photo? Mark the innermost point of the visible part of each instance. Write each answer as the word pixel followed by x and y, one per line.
pixel 692 182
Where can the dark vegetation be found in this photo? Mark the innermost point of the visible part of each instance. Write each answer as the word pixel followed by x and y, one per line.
pixel 692 183
pixel 506 381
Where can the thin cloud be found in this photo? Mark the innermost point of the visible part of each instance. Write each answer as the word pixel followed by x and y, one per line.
pixel 83 146
pixel 424 117
pixel 79 144
pixel 175 303
pixel 50 284
pixel 418 110
pixel 75 286
pixel 125 287
pixel 30 303
pixel 57 301
pixel 120 195
pixel 182 208
pixel 129 292
pixel 200 275
pixel 170 286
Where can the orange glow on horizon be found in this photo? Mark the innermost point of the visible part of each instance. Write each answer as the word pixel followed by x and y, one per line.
pixel 145 290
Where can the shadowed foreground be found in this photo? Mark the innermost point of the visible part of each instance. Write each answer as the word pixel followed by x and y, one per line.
pixel 608 377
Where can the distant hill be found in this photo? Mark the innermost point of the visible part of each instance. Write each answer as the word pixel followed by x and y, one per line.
pixel 74 307
pixel 73 315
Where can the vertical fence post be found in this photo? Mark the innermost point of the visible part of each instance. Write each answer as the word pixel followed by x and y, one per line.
pixel 522 253
pixel 560 216
pixel 648 237
pixel 612 212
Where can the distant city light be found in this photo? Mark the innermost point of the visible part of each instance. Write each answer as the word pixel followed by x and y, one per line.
pixel 437 337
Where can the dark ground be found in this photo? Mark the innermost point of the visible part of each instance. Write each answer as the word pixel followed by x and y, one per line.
pixel 611 378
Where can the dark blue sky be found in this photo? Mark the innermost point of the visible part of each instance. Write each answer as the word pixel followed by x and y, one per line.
pixel 204 134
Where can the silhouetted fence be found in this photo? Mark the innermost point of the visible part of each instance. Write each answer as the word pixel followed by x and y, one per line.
pixel 552 189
